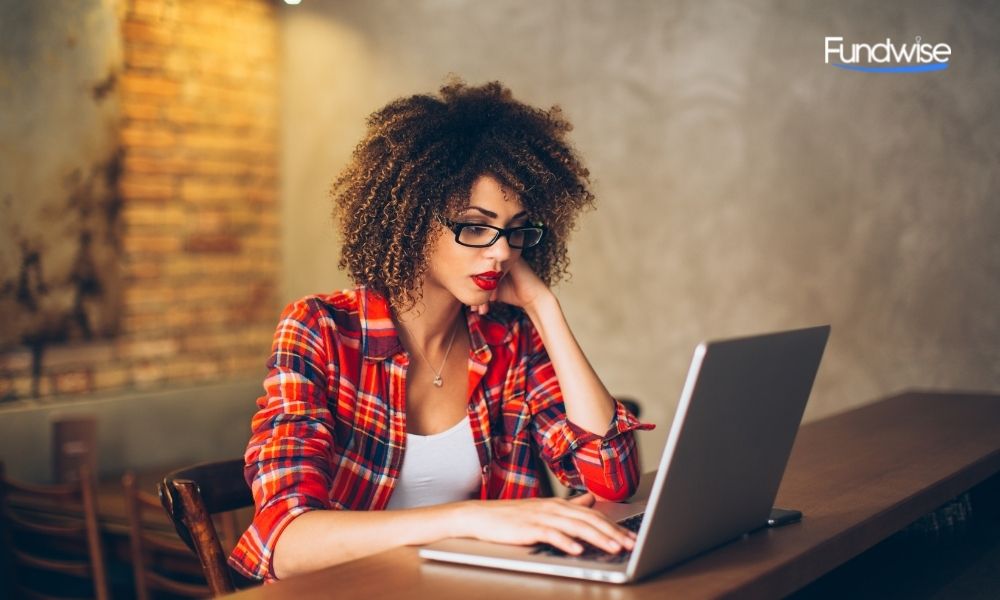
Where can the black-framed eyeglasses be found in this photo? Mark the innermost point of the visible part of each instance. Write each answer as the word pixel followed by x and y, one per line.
pixel 479 235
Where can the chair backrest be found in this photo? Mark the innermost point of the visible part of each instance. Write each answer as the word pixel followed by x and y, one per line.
pixel 545 479
pixel 43 529
pixel 156 554
pixel 191 496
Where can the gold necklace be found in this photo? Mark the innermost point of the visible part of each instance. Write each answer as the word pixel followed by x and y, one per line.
pixel 438 381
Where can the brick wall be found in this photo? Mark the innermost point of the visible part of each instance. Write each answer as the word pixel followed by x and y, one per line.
pixel 199 191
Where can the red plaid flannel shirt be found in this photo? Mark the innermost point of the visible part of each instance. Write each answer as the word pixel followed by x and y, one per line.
pixel 330 431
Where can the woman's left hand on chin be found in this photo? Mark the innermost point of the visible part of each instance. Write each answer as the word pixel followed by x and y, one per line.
pixel 520 286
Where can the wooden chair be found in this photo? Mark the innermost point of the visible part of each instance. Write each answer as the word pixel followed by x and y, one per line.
pixel 51 538
pixel 157 557
pixel 545 483
pixel 191 496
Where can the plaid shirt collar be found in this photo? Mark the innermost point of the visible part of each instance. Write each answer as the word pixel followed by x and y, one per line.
pixel 379 339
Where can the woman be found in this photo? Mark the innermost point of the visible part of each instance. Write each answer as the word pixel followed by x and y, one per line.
pixel 392 411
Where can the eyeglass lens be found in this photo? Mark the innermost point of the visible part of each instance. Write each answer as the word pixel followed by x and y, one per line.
pixel 477 235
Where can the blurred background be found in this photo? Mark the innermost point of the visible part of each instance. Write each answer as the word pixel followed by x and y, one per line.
pixel 165 166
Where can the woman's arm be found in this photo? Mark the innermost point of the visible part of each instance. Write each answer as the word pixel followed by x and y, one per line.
pixel 321 538
pixel 573 412
pixel 588 403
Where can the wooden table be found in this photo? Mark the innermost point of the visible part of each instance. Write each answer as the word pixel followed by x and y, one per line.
pixel 858 477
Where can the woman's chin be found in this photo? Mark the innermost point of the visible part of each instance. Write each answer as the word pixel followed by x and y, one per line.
pixel 474 298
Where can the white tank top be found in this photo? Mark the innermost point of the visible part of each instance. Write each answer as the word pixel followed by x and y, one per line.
pixel 438 468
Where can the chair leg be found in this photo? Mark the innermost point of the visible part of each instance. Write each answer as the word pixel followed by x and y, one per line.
pixel 199 523
pixel 94 546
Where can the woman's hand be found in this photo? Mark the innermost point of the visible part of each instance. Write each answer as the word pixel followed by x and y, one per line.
pixel 520 286
pixel 555 521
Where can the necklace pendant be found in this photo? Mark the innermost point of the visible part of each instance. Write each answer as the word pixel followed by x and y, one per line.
pixel 438 381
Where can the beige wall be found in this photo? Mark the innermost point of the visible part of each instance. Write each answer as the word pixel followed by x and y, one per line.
pixel 743 184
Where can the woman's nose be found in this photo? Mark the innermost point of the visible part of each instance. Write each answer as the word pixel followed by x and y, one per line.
pixel 500 250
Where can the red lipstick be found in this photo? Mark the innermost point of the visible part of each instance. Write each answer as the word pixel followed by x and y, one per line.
pixel 487 280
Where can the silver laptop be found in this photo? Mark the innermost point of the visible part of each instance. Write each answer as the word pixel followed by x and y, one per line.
pixel 719 473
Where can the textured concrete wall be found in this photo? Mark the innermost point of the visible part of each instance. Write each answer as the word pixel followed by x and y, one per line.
pixel 743 185
pixel 196 261
pixel 60 231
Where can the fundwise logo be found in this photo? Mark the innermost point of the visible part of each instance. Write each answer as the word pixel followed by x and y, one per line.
pixel 887 57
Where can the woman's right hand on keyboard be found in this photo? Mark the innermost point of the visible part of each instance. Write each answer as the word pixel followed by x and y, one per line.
pixel 555 521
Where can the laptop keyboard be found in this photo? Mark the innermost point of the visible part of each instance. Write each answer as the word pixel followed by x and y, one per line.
pixel 591 552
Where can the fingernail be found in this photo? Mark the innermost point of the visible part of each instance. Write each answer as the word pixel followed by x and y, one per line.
pixel 577 548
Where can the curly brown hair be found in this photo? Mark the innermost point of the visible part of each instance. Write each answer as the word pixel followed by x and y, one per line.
pixel 418 162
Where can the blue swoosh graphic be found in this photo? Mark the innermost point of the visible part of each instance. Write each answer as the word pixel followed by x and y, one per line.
pixel 940 66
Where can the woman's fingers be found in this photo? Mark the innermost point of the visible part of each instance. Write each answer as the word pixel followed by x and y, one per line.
pixel 561 523
pixel 606 529
pixel 560 540
pixel 586 530
pixel 585 499
pixel 484 308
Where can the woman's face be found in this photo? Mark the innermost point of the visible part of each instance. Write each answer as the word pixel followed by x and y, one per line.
pixel 471 274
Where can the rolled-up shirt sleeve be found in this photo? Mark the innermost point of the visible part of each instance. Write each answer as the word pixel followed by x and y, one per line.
pixel 288 456
pixel 608 464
